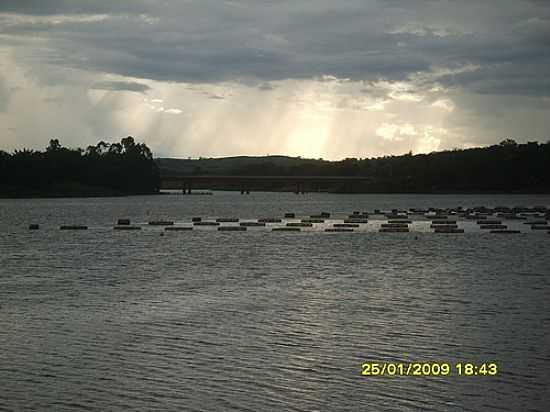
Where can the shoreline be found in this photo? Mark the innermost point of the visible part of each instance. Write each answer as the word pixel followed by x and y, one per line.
pixel 202 192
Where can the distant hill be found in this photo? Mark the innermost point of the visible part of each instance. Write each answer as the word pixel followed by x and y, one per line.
pixel 504 168
pixel 232 165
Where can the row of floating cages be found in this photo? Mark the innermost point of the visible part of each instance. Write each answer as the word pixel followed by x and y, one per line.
pixel 297 226
pixel 398 220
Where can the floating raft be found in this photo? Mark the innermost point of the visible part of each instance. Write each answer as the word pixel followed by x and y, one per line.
pixel 505 231
pixel 161 223
pixel 196 219
pixel 299 224
pixel 540 227
pixel 227 220
pixel 270 220
pixel 339 229
pixel 123 227
pixel 286 229
pixel 178 228
pixel 232 228
pixel 290 215
pixel 400 221
pixel 312 221
pixel 443 222
pixel 123 222
pixel 206 223
pixel 34 226
pixel 493 227
pixel 73 227
pixel 395 225
pixel 356 220
pixel 252 224
pixel 346 225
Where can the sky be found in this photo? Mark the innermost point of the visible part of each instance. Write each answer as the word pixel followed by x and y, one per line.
pixel 315 78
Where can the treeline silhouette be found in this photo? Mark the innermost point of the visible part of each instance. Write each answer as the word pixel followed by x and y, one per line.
pixel 102 170
pixel 508 167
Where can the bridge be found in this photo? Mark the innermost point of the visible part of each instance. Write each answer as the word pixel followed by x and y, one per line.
pixel 245 183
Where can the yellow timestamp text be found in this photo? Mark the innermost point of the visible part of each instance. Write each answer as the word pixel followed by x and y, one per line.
pixel 429 369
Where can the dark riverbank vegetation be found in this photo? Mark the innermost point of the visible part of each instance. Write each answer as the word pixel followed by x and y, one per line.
pixel 125 168
pixel 508 167
pixel 106 169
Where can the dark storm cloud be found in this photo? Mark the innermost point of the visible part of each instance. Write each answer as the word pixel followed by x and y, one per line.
pixel 50 7
pixel 246 41
pixel 121 86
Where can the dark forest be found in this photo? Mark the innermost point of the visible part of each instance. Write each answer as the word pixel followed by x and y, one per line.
pixel 102 170
pixel 125 168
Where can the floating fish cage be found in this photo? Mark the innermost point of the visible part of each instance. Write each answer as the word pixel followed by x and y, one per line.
pixel 232 228
pixel 123 222
pixel 123 227
pixel 161 223
pixel 227 220
pixel 299 224
pixel 396 216
pixel 493 227
pixel 252 224
pixel 286 229
pixel 178 228
pixel 394 225
pixel 339 229
pixel 73 227
pixel 356 221
pixel 206 223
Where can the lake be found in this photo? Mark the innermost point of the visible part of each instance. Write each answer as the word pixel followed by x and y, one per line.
pixel 98 319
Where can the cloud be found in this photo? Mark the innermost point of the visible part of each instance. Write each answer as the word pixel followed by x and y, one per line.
pixel 445 104
pixel 326 78
pixel 121 86
pixel 173 111
pixel 215 41
pixel 394 132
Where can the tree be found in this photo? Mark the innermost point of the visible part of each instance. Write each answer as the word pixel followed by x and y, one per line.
pixel 508 143
pixel 53 146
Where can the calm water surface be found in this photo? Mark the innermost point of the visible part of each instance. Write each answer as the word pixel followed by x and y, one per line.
pixel 100 320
